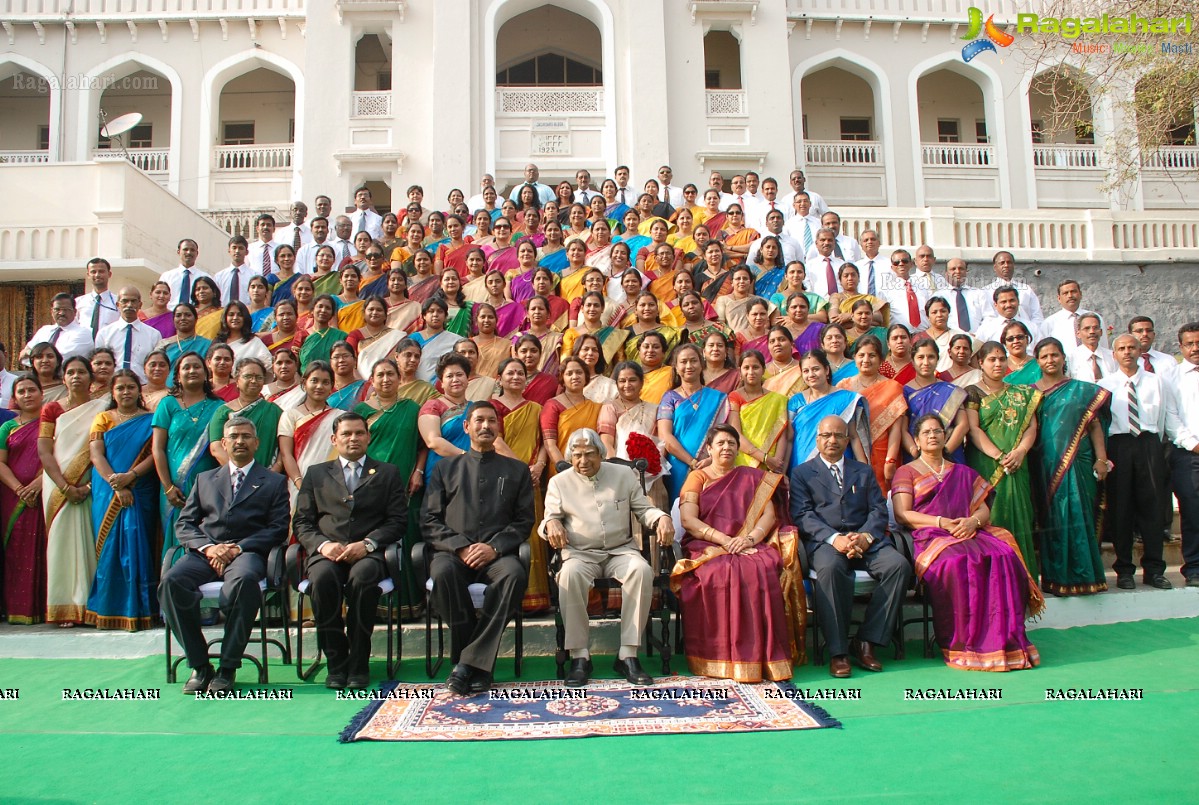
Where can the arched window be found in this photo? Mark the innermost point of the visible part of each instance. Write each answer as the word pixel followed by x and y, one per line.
pixel 549 69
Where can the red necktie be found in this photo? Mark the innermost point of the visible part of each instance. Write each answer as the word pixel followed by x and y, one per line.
pixel 832 276
pixel 1148 363
pixel 913 304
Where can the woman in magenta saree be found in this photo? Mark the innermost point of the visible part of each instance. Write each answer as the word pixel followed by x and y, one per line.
pixel 22 521
pixel 975 578
pixel 738 581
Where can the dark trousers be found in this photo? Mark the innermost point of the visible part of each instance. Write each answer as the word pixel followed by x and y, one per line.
pixel 834 593
pixel 240 600
pixel 1184 472
pixel 1134 499
pixel 346 643
pixel 475 637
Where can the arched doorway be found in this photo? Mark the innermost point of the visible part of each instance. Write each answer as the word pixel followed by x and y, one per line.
pixel 149 143
pixel 955 138
pixel 25 119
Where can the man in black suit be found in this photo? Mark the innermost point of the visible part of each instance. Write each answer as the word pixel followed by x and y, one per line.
pixel 348 510
pixel 233 517
pixel 842 515
pixel 478 510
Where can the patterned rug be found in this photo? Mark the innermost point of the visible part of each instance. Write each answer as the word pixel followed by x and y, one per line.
pixel 538 710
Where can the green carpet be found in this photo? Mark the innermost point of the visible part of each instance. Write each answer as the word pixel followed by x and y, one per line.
pixel 1019 748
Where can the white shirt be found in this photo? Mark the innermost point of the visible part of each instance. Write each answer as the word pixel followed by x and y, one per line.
pixel 366 219
pixel 1164 365
pixel 819 205
pixel 882 266
pixel 476 202
pixel 245 473
pixel 1156 402
pixel 817 270
pixel 7 378
pixel 930 281
pixel 894 290
pixel 992 326
pixel 977 306
pixel 628 195
pixel 757 218
pixel 671 194
pixel 306 256
pixel 75 339
pixel 1030 305
pixel 224 281
pixel 796 226
pixel 1063 326
pixel 145 339
pixel 286 234
pixel 341 250
pixel 260 258
pixel 1187 436
pixel 845 247
pixel 791 250
pixel 86 303
pixel 1080 366
pixel 174 279
pixel 585 196
pixel 745 200
pixel 544 192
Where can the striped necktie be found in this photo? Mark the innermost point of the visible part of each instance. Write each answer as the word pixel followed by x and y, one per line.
pixel 1134 410
pixel 870 288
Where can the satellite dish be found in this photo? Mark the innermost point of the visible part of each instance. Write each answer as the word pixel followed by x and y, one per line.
pixel 120 125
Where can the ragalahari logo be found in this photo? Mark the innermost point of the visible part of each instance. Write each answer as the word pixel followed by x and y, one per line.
pixel 994 36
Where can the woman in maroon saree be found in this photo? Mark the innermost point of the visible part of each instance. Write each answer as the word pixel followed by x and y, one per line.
pixel 977 582
pixel 739 579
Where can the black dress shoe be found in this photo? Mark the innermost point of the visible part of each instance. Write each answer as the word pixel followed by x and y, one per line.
pixel 459 679
pixel 199 681
pixel 580 672
pixel 631 670
pixel 1159 582
pixel 223 681
pixel 1193 581
pixel 1126 583
pixel 480 682
pixel 359 682
pixel 335 681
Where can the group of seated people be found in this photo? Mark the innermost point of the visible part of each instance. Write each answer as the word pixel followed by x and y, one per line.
pixel 670 333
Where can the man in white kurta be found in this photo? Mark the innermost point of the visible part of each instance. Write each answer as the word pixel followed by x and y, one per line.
pixel 587 512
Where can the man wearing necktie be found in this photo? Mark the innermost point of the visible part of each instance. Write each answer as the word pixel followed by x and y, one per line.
pixel 364 216
pixel 348 510
pixel 233 281
pixel 260 256
pixel 1090 360
pixel 1151 359
pixel 182 277
pixel 99 307
pixel 823 269
pixel 872 264
pixel 1184 460
pixel 906 300
pixel 129 338
pixel 68 336
pixel 1144 413
pixel 1063 325
pixel 924 277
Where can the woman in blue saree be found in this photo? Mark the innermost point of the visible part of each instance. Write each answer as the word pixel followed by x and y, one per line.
pixel 928 395
pixel 834 343
pixel 124 511
pixel 440 419
pixel 806 408
pixel 433 339
pixel 180 438
pixel 685 415
pixel 285 258
pixel 348 386
pixel 185 338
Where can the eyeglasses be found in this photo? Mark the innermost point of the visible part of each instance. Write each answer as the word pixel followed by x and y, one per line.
pixel 736 212
pixel 1011 339
pixel 900 262
pixel 374 256
pixel 932 432
pixel 502 226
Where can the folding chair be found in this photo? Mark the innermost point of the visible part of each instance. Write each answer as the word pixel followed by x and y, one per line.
pixel 907 546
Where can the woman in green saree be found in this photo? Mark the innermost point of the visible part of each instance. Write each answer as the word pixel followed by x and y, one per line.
pixel 1022 367
pixel 319 342
pixel 1069 462
pixel 1003 428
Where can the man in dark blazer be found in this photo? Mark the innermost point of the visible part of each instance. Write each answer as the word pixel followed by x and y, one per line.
pixel 233 517
pixel 842 515
pixel 348 510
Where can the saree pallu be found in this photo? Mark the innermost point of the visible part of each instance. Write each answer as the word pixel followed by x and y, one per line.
pixel 187 453
pixel 350 316
pixel 123 591
pixel 502 260
pixel 453 257
pixel 291 343
pixel 879 305
pixel 1004 417
pixel 555 261
pixel 372 351
pixel 227 392
pixel 714 221
pixel 767 283
pixel 943 399
pixel 979 588
pixel 288 398
pixel 522 432
pixel 805 417
pixel 615 212
pixel 491 355
pixel 712 287
pixel 611 339
pixel 262 320
pixel 520 286
pixel 700 334
pixel 1026 375
pixel 312 443
pixel 459 320
pixel 329 283
pixel 265 416
pixel 886 404
pixel 480 388
pixel 636 243
pixel 810 338
pixel 318 345
pixel 787 382
pixel 663 285
pixel 419 391
pixel 348 396
pixel 733 312
pixel 541 388
pixel 209 324
pixel 164 323
pixel 763 422
pixel 745 614
pixel 24 529
pixel 510 318
pixel 70 539
pixel 902 375
pixel 551 348
pixel 584 415
pixel 1067 494
pixel 690 418
pixel 282 290
pixel 451 418
pixel 431 351
pixel 878 332
pixel 601 258
pixel 571 286
pixel 727 382
pixel 475 289
pixel 375 287
pixel 420 290
pixel 657 383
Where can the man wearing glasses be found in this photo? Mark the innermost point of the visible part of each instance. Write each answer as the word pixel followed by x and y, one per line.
pixel 669 193
pixel 1007 310
pixel 905 298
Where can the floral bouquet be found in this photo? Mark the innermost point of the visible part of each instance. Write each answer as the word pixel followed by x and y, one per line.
pixel 641 446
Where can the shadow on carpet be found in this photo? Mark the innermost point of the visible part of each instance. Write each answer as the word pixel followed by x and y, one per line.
pixel 542 710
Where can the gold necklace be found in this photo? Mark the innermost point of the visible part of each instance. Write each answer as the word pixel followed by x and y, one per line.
pixel 937 474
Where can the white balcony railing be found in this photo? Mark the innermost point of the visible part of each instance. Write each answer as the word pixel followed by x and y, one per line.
pixel 843 152
pixel 17 157
pixel 546 100
pixel 727 103
pixel 253 157
pixel 372 104
pixel 1172 157
pixel 123 10
pixel 1065 156
pixel 151 160
pixel 957 155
